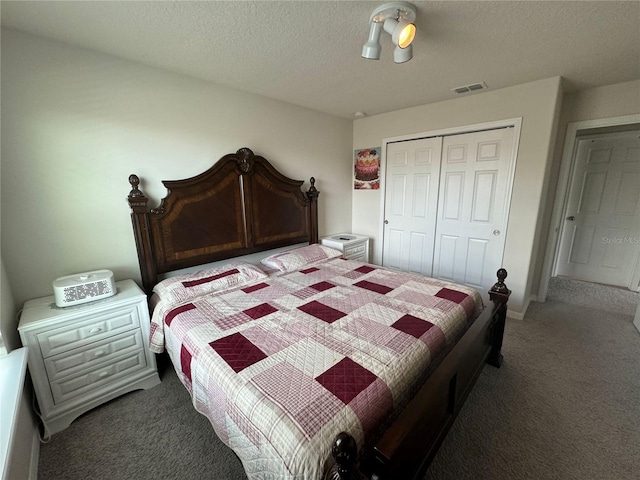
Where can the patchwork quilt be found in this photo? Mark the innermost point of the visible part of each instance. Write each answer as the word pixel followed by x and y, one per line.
pixel 282 363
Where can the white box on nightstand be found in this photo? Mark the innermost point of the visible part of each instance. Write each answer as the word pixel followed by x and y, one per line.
pixel 82 356
pixel 352 246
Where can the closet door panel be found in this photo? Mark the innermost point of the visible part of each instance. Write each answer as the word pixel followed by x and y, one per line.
pixel 475 174
pixel 411 196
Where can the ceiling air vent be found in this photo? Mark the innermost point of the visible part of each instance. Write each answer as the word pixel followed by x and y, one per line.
pixel 470 88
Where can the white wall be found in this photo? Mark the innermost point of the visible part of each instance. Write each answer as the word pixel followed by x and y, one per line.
pixel 76 123
pixel 537 103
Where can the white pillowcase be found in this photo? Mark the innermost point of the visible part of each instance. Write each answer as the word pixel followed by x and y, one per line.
pixel 185 287
pixel 300 257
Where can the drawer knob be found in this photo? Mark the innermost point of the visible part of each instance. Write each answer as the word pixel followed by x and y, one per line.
pixel 95 330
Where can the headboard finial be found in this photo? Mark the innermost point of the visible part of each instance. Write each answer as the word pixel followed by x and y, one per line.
pixel 137 200
pixel 134 181
pixel 244 159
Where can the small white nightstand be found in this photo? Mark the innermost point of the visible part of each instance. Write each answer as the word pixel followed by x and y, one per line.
pixel 352 246
pixel 82 356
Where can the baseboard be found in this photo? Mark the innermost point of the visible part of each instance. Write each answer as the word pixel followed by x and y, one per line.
pixel 520 315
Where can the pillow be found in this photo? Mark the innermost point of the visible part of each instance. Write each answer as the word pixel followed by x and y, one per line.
pixel 185 287
pixel 299 257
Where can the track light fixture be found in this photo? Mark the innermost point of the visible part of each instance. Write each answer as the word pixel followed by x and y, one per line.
pixel 395 18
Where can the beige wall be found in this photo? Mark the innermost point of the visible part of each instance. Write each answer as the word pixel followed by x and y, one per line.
pixel 537 104
pixel 600 102
pixel 76 123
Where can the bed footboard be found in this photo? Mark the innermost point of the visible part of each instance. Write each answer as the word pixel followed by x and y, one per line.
pixel 409 445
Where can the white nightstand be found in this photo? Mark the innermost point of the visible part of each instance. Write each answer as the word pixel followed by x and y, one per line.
pixel 82 356
pixel 352 246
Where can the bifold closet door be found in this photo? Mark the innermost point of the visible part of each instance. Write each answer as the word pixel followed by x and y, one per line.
pixel 475 175
pixel 411 204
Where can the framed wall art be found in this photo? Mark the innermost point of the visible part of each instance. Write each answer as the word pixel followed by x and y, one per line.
pixel 366 168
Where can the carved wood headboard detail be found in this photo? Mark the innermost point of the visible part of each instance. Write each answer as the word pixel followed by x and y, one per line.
pixel 241 205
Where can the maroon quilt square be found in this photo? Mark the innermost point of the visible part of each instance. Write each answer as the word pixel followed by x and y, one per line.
pixel 177 311
pixel 260 311
pixel 185 362
pixel 374 287
pixel 309 270
pixel 200 281
pixel 364 269
pixel 322 286
pixel 253 288
pixel 237 351
pixel 453 295
pixel 322 311
pixel 346 379
pixel 413 326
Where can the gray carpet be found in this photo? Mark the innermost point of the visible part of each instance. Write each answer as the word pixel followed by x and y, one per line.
pixel 565 405
pixel 586 294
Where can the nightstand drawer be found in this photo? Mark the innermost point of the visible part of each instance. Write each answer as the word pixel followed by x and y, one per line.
pixel 77 334
pixel 350 251
pixel 73 361
pixel 120 367
pixel 352 246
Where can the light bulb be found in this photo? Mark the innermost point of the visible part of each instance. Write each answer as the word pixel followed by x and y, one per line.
pixel 406 36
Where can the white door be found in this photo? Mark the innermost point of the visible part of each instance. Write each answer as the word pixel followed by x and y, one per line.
pixel 600 239
pixel 411 196
pixel 475 186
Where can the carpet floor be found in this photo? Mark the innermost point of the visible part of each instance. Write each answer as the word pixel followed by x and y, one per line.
pixel 565 405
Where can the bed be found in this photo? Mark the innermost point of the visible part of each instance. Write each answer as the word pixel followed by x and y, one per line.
pixel 306 364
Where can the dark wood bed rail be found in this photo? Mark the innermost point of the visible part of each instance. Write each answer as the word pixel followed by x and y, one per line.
pixel 408 446
pixel 241 205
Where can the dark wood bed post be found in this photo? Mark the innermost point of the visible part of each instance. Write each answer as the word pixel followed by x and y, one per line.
pixel 344 449
pixel 499 294
pixel 345 454
pixel 140 219
pixel 312 195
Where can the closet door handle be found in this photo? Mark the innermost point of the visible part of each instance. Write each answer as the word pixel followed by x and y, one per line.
pixel 496 233
pixel 386 222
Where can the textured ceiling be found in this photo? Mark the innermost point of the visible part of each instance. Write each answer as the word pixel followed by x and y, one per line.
pixel 308 52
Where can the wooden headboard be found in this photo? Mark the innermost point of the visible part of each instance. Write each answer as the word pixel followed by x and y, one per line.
pixel 241 205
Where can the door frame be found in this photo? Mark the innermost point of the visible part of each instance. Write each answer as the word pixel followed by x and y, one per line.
pixel 562 197
pixel 515 123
